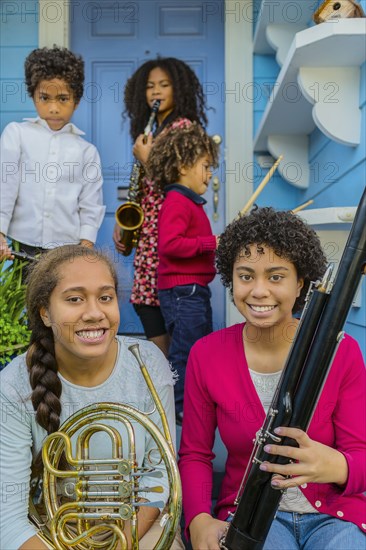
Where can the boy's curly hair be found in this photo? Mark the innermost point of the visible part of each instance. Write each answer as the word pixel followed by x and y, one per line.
pixel 49 63
pixel 285 233
pixel 177 148
pixel 189 99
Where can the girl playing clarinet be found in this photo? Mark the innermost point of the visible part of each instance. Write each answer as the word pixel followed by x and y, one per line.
pixel 175 84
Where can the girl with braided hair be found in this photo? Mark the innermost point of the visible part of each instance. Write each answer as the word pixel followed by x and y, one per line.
pixel 75 358
pixel 182 101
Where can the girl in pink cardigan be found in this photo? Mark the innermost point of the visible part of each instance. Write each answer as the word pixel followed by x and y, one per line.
pixel 267 260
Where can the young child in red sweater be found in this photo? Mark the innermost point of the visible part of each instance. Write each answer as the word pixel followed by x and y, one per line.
pixel 181 165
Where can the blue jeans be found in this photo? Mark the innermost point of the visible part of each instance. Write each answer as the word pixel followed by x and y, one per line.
pixel 188 316
pixel 292 531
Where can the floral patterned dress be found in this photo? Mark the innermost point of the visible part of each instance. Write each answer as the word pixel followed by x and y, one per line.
pixel 144 289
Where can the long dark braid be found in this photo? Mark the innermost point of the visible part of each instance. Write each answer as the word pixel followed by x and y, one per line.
pixel 189 99
pixel 44 381
pixel 41 360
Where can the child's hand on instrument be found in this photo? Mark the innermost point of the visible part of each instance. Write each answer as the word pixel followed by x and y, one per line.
pixel 116 239
pixel 5 251
pixel 206 532
pixel 85 242
pixel 311 462
pixel 142 147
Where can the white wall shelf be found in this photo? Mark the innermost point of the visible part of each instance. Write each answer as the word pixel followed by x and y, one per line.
pixel 318 86
pixel 332 226
pixel 328 216
pixel 284 15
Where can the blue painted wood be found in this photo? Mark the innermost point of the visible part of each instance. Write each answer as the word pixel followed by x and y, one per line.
pixel 337 172
pixel 18 36
pixel 114 39
pixel 266 70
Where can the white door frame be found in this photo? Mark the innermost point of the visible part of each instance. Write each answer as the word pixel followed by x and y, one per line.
pixel 238 115
pixel 54 28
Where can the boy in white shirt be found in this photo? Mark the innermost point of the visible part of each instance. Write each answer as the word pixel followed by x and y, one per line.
pixel 51 178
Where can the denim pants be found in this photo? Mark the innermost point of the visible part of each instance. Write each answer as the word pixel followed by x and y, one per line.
pixel 292 531
pixel 188 316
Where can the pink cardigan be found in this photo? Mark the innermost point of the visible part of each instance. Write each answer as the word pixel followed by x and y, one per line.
pixel 219 392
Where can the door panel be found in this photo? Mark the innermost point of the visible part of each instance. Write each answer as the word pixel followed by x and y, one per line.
pixel 114 38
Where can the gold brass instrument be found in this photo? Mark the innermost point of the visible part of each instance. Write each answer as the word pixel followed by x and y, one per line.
pixel 130 216
pixel 106 491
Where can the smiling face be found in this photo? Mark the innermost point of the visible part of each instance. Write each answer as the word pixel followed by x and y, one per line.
pixel 159 86
pixel 198 176
pixel 83 314
pixel 54 102
pixel 265 287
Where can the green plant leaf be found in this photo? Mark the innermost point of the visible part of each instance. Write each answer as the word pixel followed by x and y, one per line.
pixel 14 331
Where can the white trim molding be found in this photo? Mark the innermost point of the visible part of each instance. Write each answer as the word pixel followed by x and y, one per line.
pixel 54 23
pixel 238 115
pixel 54 28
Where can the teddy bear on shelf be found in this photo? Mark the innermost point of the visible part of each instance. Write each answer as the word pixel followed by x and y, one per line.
pixel 340 9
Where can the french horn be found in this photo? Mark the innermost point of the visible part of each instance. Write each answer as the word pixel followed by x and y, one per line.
pixel 106 491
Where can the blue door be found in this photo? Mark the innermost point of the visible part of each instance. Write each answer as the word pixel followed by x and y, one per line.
pixel 115 38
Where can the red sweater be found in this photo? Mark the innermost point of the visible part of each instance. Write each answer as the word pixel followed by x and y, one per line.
pixel 186 244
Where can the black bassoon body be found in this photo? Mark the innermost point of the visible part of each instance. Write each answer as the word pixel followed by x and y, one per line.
pixel 316 342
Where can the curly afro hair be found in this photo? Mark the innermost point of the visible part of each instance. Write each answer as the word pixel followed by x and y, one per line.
pixel 176 148
pixel 285 233
pixel 49 63
pixel 189 99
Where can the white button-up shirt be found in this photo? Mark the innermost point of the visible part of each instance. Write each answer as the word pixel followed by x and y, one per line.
pixel 51 185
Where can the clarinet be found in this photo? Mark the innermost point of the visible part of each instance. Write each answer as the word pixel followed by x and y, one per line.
pixel 150 122
pixel 316 342
pixel 135 177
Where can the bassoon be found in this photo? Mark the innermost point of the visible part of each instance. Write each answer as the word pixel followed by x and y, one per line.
pixel 298 391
